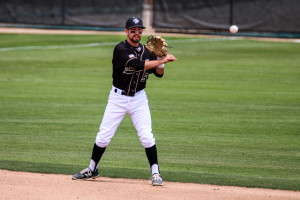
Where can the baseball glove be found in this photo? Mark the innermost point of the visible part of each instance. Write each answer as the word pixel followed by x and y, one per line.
pixel 157 45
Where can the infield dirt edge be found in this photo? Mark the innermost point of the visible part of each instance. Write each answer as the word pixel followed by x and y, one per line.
pixel 26 185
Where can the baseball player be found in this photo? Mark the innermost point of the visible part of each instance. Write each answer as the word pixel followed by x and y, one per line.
pixel 132 64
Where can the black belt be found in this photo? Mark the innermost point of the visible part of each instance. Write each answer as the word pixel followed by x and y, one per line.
pixel 123 92
pixel 131 94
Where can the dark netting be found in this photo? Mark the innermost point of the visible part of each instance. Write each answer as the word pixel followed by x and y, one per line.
pixel 266 15
pixel 100 13
pixel 31 11
pixel 277 16
pixel 191 14
pixel 218 15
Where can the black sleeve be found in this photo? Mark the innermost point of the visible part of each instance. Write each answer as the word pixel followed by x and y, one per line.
pixel 136 63
pixel 128 58
pixel 150 71
pixel 153 57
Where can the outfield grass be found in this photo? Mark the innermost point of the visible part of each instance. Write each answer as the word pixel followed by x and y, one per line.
pixel 227 112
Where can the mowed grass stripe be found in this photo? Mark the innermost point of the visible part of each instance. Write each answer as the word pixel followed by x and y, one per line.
pixel 227 112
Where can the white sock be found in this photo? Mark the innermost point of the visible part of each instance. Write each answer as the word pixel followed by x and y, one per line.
pixel 92 165
pixel 154 169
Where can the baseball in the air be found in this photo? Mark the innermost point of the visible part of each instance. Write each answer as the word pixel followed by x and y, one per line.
pixel 233 29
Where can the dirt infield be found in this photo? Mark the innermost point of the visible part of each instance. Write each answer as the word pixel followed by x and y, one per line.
pixel 31 186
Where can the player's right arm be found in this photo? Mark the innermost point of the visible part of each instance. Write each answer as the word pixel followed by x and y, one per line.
pixel 149 64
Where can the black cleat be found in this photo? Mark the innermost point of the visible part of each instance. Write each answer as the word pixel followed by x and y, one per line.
pixel 86 174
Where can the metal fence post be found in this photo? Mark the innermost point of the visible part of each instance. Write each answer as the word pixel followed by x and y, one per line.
pixel 63 11
pixel 231 12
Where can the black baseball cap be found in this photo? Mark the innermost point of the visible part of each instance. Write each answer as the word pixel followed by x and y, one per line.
pixel 134 22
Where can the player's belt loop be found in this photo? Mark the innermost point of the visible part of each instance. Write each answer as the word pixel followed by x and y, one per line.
pixel 117 90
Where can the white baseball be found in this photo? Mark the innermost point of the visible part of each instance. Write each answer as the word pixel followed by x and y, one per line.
pixel 233 29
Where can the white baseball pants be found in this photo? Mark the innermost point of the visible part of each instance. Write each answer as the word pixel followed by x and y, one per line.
pixel 118 106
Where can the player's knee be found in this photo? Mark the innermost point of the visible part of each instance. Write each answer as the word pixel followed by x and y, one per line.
pixel 102 141
pixel 148 144
pixel 147 140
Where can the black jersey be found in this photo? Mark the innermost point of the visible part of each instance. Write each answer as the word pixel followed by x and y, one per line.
pixel 128 67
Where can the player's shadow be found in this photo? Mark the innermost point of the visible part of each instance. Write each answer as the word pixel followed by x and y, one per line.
pixel 118 180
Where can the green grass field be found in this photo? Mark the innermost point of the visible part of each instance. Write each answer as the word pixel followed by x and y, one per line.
pixel 226 113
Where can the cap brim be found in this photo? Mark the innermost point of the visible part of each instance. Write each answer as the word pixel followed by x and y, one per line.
pixel 134 26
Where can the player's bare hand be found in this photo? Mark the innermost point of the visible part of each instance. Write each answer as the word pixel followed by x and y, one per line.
pixel 169 58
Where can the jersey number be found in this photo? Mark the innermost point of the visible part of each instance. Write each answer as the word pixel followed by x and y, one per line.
pixel 144 77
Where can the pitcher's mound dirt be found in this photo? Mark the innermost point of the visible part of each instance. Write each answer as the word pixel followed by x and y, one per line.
pixel 24 185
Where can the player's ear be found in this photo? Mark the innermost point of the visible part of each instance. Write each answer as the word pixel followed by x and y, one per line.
pixel 126 31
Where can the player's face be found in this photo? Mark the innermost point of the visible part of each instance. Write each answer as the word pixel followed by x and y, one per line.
pixel 135 34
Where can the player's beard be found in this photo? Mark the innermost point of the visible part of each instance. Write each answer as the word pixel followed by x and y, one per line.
pixel 135 38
